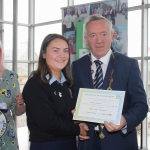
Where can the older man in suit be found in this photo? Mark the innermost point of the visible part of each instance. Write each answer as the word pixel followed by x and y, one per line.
pixel 119 73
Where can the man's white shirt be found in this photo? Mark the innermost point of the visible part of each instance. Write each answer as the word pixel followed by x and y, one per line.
pixel 105 60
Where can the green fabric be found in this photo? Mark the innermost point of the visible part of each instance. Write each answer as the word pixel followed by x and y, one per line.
pixel 9 87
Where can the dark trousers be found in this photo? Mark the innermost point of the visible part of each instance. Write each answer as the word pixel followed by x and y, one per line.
pixel 69 144
pixel 96 143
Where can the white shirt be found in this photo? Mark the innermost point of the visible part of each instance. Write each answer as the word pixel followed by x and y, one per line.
pixel 67 21
pixel 75 19
pixel 83 16
pixel 105 61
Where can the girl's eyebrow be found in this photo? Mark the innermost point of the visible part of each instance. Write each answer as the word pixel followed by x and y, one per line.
pixel 56 47
pixel 59 48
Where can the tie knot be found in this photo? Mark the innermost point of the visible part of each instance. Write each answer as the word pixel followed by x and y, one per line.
pixel 98 63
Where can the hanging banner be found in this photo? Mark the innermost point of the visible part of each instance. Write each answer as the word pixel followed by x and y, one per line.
pixel 73 27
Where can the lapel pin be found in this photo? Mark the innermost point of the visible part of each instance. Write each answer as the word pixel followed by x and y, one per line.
pixel 60 94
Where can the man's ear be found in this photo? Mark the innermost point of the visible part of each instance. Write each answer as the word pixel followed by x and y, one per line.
pixel 85 39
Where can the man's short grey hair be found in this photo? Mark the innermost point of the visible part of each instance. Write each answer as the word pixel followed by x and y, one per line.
pixel 94 18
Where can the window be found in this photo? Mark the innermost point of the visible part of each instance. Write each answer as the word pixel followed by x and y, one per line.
pixel 48 10
pixel 23 11
pixel 41 32
pixel 149 32
pixel 8 41
pixel 23 74
pixel 77 2
pixel 8 66
pixel 132 3
pixel 35 66
pixel 22 43
pixel 134 33
pixel 8 10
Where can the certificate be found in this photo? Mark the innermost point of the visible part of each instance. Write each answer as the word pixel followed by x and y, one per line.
pixel 99 105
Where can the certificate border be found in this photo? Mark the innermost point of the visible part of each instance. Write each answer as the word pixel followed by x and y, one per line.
pixel 119 94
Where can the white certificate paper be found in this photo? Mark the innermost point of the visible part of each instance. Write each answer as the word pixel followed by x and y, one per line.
pixel 99 105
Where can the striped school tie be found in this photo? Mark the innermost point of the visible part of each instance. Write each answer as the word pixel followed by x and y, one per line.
pixel 98 80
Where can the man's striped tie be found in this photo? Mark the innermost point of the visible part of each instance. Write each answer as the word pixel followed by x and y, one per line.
pixel 98 80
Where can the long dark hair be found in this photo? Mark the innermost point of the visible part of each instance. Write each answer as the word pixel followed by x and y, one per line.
pixel 84 10
pixel 43 68
pixel 77 12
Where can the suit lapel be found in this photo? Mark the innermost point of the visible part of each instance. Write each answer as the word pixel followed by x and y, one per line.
pixel 111 64
pixel 87 72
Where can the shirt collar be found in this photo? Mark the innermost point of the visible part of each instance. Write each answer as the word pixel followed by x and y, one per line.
pixel 104 59
pixel 53 79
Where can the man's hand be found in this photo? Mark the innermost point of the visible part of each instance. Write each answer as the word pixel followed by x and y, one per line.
pixel 112 127
pixel 83 131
